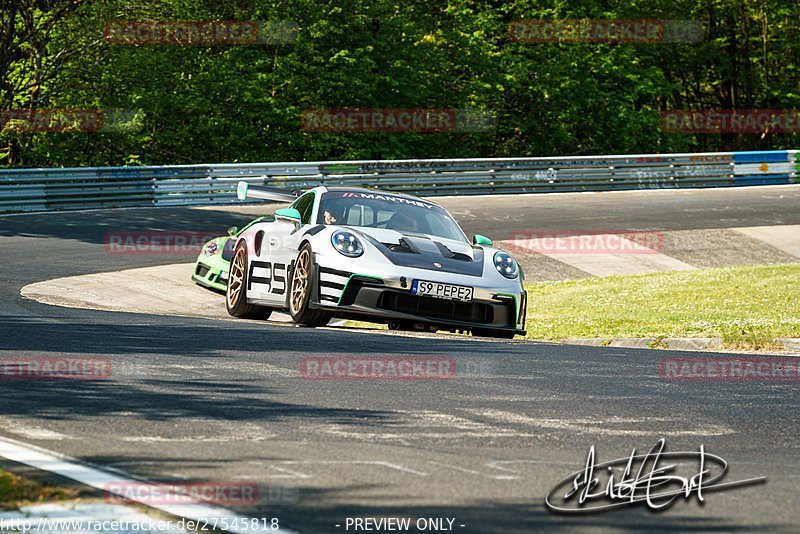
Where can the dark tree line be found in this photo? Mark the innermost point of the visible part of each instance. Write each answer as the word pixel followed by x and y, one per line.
pixel 207 103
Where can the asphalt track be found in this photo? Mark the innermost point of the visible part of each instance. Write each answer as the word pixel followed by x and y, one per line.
pixel 214 400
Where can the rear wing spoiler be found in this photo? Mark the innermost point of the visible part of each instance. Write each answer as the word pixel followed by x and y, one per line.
pixel 245 191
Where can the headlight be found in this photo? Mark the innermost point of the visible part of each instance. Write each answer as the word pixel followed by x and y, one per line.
pixel 347 244
pixel 210 248
pixel 506 265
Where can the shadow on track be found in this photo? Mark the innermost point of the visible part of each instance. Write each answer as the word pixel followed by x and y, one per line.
pixel 92 226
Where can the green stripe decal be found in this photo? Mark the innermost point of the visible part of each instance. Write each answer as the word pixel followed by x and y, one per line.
pixel 348 283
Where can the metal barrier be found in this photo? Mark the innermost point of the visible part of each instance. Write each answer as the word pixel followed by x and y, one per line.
pixel 190 185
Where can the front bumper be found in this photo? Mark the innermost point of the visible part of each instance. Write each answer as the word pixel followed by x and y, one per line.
pixel 499 309
pixel 212 274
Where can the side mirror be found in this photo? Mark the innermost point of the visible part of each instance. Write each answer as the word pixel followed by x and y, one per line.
pixel 232 231
pixel 481 240
pixel 288 215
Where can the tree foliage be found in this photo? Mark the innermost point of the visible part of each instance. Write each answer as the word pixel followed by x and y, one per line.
pixel 209 103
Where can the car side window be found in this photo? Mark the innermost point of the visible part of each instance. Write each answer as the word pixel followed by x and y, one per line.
pixel 305 205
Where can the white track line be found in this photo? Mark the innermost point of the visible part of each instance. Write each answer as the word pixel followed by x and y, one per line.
pixel 59 464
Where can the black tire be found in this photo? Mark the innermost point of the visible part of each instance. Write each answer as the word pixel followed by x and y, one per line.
pixel 486 332
pixel 303 278
pixel 236 292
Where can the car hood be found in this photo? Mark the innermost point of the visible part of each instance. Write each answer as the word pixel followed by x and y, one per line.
pixel 424 251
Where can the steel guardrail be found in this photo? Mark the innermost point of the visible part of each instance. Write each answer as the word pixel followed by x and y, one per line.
pixel 32 190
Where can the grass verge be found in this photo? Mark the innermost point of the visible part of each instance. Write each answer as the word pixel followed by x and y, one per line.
pixel 747 306
pixel 16 491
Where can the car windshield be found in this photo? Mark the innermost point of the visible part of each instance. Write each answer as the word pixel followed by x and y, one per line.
pixel 393 212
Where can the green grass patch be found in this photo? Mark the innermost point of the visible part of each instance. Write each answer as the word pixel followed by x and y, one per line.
pixel 367 325
pixel 747 306
pixel 16 491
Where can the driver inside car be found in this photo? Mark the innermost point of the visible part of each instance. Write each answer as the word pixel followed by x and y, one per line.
pixel 334 213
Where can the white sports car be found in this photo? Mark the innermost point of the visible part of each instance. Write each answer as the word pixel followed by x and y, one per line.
pixel 360 253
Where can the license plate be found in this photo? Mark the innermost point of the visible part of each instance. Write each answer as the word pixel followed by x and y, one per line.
pixel 443 291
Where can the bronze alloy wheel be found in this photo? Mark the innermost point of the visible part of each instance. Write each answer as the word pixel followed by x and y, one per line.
pixel 236 294
pixel 300 306
pixel 300 282
pixel 236 279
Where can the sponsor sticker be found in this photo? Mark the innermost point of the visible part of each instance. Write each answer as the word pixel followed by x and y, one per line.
pixel 378 196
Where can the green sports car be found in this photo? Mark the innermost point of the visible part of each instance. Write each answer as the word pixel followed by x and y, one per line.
pixel 214 261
